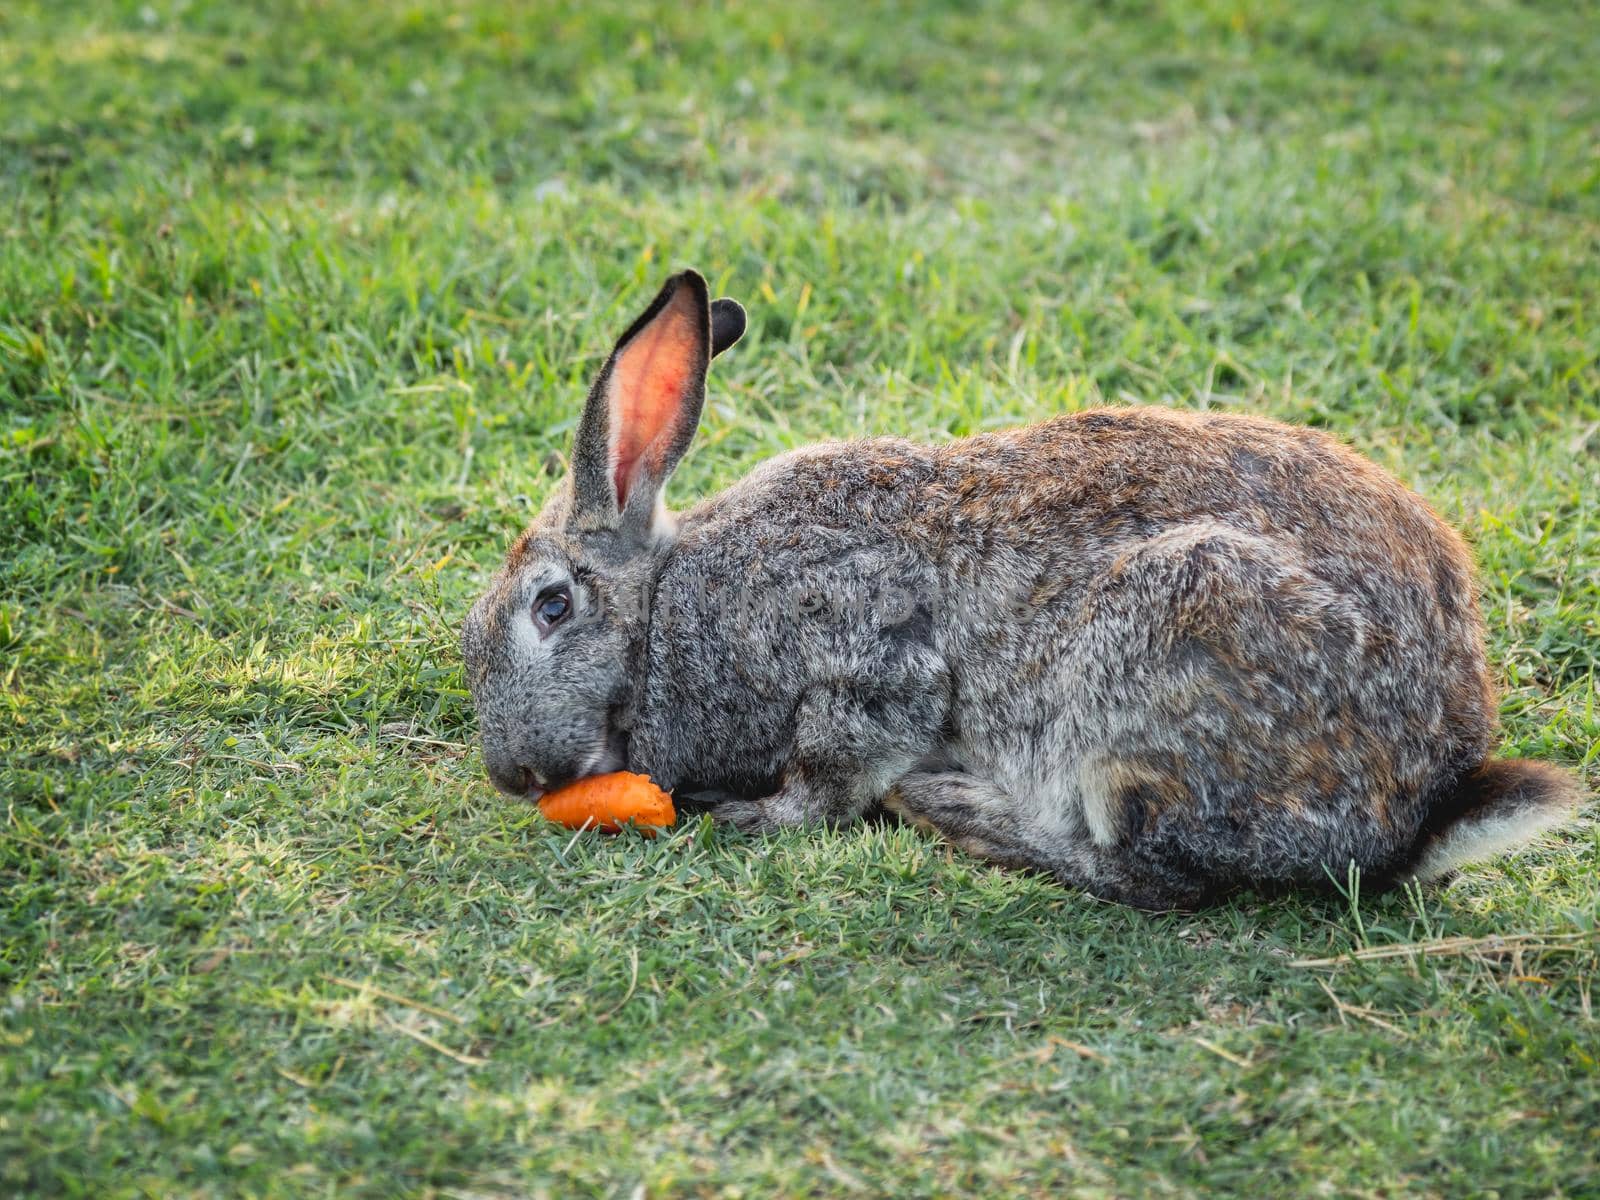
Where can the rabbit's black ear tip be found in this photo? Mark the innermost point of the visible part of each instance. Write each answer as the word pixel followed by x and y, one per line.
pixel 727 324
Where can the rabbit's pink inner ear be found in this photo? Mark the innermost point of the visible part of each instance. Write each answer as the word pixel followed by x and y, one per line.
pixel 649 383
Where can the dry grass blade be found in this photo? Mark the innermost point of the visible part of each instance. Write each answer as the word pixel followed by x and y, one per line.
pixel 466 1060
pixel 1495 944
pixel 1080 1049
pixel 1228 1055
pixel 396 997
pixel 1361 1012
pixel 1046 1051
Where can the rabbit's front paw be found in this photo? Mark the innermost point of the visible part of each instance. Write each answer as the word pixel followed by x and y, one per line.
pixel 747 816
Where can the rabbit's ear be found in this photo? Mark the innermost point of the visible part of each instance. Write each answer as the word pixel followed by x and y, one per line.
pixel 644 406
pixel 727 324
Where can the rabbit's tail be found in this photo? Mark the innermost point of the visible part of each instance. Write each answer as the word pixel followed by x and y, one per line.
pixel 1499 804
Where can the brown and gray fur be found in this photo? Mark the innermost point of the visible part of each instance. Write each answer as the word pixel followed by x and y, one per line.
pixel 1160 655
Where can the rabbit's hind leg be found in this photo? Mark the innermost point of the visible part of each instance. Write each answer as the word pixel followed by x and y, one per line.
pixel 984 820
pixel 1236 724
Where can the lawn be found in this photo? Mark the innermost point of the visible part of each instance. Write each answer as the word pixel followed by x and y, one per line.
pixel 297 305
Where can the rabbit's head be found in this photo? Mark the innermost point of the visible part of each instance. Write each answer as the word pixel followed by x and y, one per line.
pixel 554 649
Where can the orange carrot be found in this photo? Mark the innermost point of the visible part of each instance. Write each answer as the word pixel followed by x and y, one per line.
pixel 607 801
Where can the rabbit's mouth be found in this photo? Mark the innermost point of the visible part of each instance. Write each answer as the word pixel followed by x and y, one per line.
pixel 519 781
pixel 612 753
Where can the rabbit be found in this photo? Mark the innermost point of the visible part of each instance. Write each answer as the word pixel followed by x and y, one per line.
pixel 1163 656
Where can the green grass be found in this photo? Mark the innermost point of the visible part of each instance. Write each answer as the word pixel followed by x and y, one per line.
pixel 296 301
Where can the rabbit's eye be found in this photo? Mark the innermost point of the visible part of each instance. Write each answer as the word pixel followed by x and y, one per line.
pixel 551 608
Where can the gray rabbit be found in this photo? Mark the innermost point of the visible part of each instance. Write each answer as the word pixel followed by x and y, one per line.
pixel 1160 655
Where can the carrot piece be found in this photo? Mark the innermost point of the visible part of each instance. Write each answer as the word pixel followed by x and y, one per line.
pixel 607 801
